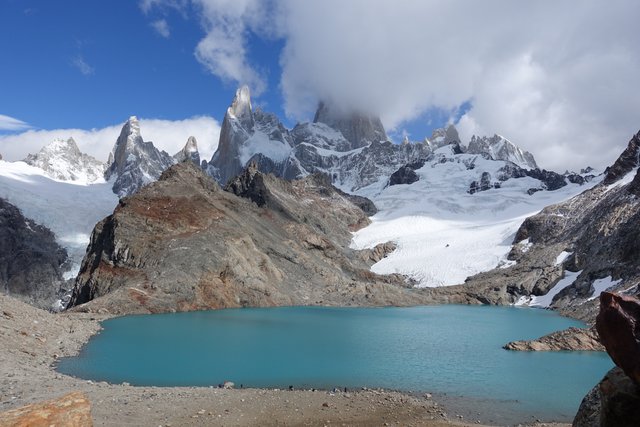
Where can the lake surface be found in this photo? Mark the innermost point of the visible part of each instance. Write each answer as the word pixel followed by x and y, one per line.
pixel 450 349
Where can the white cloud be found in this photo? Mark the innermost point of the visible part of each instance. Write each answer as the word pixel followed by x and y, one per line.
pixel 162 28
pixel 82 65
pixel 8 123
pixel 557 77
pixel 167 135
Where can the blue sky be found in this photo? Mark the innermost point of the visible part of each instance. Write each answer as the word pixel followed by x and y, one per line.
pixel 552 75
pixel 89 64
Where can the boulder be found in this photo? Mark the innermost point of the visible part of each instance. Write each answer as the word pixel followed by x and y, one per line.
pixel 70 410
pixel 614 402
pixel 618 324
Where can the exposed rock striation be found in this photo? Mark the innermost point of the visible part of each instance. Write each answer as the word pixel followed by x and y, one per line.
pixel 359 129
pixel 70 410
pixel 134 162
pixel 31 262
pixel 183 243
pixel 63 160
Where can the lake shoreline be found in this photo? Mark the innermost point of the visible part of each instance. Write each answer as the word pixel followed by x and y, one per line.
pixel 34 339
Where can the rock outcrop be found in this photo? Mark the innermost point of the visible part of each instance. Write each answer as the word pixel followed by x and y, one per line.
pixel 618 324
pixel 31 262
pixel 134 162
pixel 404 175
pixel 571 339
pixel 627 161
pixel 70 410
pixel 188 153
pixel 183 243
pixel 63 160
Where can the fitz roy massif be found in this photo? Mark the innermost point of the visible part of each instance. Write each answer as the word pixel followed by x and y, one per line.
pixel 329 213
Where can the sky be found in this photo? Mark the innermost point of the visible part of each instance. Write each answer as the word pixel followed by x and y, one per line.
pixel 560 78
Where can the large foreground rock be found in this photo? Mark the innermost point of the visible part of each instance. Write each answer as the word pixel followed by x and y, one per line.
pixel 618 324
pixel 183 243
pixel 70 410
pixel 614 402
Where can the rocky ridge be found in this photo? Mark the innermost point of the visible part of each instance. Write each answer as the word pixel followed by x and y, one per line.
pixel 63 160
pixel 280 243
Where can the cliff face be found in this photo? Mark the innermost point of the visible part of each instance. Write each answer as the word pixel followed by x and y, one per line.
pixel 183 243
pixel 31 262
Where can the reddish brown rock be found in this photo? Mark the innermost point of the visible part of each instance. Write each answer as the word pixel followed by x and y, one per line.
pixel 618 325
pixel 70 410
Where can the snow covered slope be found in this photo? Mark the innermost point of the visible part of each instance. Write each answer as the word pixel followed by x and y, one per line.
pixel 62 160
pixel 443 233
pixel 69 209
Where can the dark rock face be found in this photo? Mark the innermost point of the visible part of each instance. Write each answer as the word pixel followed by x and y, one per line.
pixel 404 175
pixel 135 162
pixel 483 185
pixel 627 161
pixel 551 180
pixel 183 244
pixel 614 402
pixel 618 324
pixel 31 262
pixel 358 129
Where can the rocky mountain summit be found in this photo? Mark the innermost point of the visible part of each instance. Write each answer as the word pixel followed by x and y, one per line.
pixel 134 162
pixel 351 148
pixel 264 242
pixel 188 153
pixel 63 160
pixel 31 262
pixel 498 147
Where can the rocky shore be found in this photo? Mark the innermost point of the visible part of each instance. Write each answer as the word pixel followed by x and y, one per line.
pixel 33 339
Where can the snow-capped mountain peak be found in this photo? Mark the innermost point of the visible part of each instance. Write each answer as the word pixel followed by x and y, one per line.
pixel 498 147
pixel 135 162
pixel 62 160
pixel 240 108
pixel 189 152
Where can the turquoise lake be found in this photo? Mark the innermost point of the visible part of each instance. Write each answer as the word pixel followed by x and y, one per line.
pixel 452 350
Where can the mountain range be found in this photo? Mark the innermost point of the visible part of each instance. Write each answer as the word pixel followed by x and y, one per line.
pixel 444 212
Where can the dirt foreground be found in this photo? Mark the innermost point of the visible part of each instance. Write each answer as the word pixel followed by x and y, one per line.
pixel 32 339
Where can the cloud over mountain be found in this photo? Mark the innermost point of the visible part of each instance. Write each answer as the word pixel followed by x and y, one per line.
pixel 553 75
